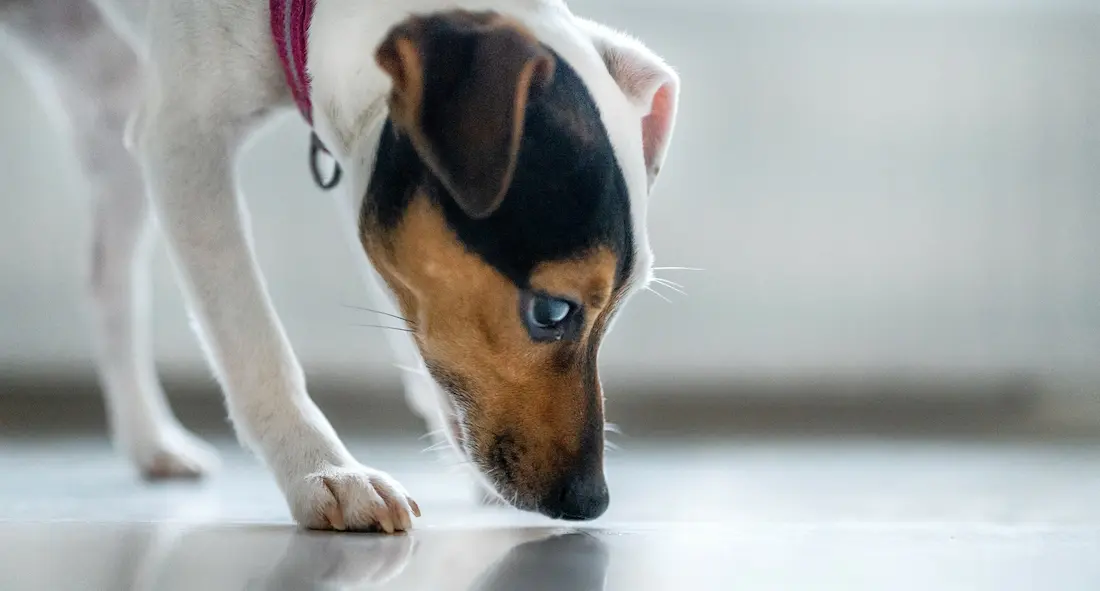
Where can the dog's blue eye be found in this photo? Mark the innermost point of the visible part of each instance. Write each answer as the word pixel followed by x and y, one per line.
pixel 546 312
pixel 547 318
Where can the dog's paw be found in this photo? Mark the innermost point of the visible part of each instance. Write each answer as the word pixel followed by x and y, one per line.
pixel 174 454
pixel 352 498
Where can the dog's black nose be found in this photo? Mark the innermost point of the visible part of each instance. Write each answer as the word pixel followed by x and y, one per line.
pixel 578 497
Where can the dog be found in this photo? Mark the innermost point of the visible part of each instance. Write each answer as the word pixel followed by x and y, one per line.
pixel 496 158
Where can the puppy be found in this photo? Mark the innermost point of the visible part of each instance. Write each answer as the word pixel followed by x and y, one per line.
pixel 497 156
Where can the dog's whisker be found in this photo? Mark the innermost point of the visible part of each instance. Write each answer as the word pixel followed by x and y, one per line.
pixel 657 293
pixel 397 328
pixel 361 308
pixel 674 287
pixel 668 282
pixel 668 287
pixel 612 428
pixel 418 371
pixel 677 269
pixel 431 434
pixel 442 445
pixel 460 467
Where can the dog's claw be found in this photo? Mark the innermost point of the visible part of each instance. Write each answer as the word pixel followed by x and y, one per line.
pixel 387 525
pixel 333 515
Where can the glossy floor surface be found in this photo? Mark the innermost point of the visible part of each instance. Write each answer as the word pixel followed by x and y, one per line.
pixel 852 513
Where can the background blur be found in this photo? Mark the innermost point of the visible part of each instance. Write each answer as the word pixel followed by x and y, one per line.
pixel 888 199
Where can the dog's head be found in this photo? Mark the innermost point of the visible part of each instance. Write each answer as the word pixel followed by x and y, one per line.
pixel 506 212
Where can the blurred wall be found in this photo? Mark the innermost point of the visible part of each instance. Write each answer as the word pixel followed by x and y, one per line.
pixel 870 187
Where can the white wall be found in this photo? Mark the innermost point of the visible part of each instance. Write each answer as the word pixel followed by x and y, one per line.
pixel 866 189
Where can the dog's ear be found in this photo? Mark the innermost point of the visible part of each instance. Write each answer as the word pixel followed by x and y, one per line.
pixel 461 85
pixel 648 82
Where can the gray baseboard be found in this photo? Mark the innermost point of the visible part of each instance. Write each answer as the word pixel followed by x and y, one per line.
pixel 934 406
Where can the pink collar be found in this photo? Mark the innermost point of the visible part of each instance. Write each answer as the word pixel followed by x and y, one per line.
pixel 290 26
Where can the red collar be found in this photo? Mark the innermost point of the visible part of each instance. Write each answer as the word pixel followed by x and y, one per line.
pixel 290 26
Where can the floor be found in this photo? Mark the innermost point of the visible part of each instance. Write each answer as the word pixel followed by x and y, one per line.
pixel 754 513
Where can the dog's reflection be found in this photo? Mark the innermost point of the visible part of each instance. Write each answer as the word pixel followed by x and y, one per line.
pixel 273 558
pixel 315 560
pixel 573 561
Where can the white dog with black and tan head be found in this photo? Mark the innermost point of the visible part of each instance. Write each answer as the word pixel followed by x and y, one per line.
pixel 497 157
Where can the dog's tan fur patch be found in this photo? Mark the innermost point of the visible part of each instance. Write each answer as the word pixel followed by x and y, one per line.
pixel 587 279
pixel 467 323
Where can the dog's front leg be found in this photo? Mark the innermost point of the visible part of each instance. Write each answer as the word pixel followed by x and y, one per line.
pixel 188 155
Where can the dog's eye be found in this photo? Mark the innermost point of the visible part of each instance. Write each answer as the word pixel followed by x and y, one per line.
pixel 547 318
pixel 546 311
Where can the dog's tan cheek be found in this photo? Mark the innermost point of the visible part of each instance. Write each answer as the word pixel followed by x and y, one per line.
pixel 377 244
pixel 465 310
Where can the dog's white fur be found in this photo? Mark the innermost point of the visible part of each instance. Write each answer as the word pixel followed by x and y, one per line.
pixel 210 76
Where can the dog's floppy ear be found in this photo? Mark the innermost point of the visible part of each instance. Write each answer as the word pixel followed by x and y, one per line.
pixel 648 82
pixel 461 85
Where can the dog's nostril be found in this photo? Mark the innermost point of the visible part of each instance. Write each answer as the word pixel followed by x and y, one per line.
pixel 578 498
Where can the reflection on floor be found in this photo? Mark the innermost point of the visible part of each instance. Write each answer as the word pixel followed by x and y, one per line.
pixel 854 513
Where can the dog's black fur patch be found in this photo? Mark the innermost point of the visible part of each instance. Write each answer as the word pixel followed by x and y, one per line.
pixel 568 193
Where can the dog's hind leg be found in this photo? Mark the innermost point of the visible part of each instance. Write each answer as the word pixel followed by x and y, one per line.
pixel 95 76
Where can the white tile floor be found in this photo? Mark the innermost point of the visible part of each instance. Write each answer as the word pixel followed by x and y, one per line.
pixel 727 514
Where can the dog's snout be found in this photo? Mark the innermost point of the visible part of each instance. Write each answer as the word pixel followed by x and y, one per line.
pixel 578 497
